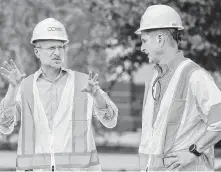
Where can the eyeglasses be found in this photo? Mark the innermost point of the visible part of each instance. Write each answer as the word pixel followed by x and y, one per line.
pixel 53 48
pixel 156 89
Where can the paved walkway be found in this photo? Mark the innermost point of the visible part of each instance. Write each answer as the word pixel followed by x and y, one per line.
pixel 110 162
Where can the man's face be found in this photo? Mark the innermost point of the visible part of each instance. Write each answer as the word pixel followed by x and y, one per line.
pixel 150 46
pixel 50 52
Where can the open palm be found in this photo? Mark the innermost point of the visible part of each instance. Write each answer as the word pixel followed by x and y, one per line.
pixel 12 73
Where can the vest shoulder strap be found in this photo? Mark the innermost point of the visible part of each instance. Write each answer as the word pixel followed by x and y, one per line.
pixel 27 91
pixel 182 87
pixel 81 80
pixel 27 125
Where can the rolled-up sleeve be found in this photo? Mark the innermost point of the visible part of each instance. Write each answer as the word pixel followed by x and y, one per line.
pixel 9 116
pixel 107 116
pixel 208 98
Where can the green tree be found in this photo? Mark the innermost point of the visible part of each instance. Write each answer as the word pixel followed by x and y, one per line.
pixel 101 33
pixel 201 41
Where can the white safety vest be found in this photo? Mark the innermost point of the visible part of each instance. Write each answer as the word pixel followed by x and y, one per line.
pixel 67 144
pixel 158 139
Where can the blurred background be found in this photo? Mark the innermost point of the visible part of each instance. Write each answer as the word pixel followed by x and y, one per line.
pixel 102 39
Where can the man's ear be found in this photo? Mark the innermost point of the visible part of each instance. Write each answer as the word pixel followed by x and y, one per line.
pixel 37 53
pixel 161 39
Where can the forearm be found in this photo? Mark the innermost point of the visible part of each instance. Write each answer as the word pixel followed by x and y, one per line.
pixel 10 105
pixel 106 110
pixel 212 135
pixel 7 119
pixel 8 110
pixel 99 100
pixel 10 97
pixel 208 139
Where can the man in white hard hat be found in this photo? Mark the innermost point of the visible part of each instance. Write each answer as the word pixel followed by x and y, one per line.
pixel 55 106
pixel 181 109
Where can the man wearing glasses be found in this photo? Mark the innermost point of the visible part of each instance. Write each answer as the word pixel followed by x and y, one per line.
pixel 55 106
pixel 181 110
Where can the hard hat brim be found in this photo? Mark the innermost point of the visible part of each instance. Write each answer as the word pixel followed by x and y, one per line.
pixel 66 41
pixel 138 31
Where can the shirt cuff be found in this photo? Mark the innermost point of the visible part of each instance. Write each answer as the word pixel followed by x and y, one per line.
pixel 102 112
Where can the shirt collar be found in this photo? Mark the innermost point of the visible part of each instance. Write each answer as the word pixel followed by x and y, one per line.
pixel 40 73
pixel 171 65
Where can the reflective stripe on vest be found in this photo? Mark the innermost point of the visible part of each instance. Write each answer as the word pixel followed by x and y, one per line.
pixel 80 122
pixel 28 144
pixel 80 157
pixel 62 160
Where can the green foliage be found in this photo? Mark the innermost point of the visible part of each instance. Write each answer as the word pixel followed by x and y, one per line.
pixel 201 20
pixel 101 33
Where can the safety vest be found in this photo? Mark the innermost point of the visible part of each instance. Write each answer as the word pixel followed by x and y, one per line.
pixel 79 155
pixel 159 139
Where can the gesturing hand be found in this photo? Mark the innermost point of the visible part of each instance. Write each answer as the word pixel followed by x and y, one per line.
pixel 12 73
pixel 92 85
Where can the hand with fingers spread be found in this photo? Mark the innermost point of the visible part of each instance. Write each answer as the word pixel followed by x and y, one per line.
pixel 92 86
pixel 179 159
pixel 12 73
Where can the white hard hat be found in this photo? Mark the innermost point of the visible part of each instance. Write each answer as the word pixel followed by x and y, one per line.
pixel 49 29
pixel 159 17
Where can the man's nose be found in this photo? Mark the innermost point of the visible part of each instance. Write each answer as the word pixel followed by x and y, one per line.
pixel 56 51
pixel 142 49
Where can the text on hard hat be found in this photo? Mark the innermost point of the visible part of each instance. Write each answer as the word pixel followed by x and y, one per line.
pixel 54 29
